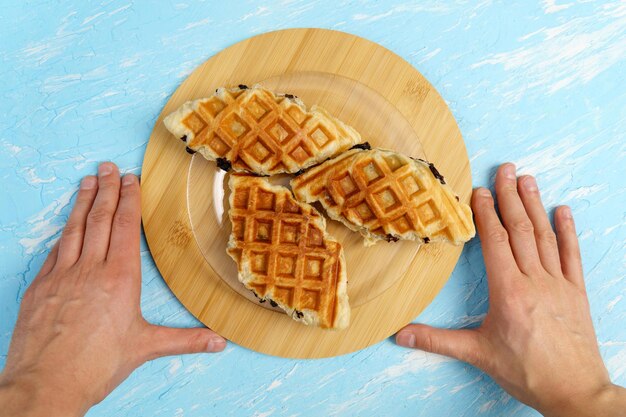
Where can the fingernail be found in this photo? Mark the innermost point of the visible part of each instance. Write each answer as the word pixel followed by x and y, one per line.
pixel 406 339
pixel 567 213
pixel 215 344
pixel 483 192
pixel 530 184
pixel 509 171
pixel 105 169
pixel 128 179
pixel 88 183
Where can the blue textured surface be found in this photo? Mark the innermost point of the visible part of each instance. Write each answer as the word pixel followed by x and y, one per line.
pixel 538 84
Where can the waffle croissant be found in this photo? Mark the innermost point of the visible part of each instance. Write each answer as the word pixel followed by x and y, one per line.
pixel 385 195
pixel 255 130
pixel 284 254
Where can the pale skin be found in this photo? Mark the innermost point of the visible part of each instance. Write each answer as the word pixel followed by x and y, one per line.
pixel 80 331
pixel 537 340
pixel 82 310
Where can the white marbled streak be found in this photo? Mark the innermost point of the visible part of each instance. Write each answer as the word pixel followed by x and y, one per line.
pixel 43 225
pixel 487 406
pixel 38 53
pixel 202 22
pixel 120 9
pixel 330 377
pixel 175 365
pixel 613 228
pixel 275 384
pixel 412 362
pixel 460 387
pixel 569 55
pixel 33 179
pixel 552 161
pixel 11 148
pixel 421 7
pixel 91 18
pixel 466 320
pixel 58 83
pixel 611 305
pixel 584 191
pixel 616 364
pixel 550 6
pixel 260 11
pixel 430 55
pixel 129 62
pixel 426 392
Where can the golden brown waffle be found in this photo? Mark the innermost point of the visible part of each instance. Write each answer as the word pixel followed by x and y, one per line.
pixel 254 130
pixel 284 254
pixel 387 196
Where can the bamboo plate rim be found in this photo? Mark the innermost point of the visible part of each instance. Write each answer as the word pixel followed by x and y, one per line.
pixel 164 186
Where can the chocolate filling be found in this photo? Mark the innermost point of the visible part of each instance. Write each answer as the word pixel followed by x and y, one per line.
pixel 391 238
pixel 243 87
pixel 223 164
pixel 457 198
pixel 290 96
pixel 189 150
pixel 273 303
pixel 365 146
pixel 436 173
pixel 261 300
pixel 299 172
pixel 426 239
pixel 184 138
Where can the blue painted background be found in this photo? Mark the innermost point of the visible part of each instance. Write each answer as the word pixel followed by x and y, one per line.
pixel 540 84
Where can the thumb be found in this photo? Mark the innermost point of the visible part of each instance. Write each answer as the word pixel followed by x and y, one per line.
pixel 165 341
pixel 464 344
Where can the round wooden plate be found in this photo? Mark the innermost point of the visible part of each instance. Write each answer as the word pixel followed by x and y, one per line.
pixel 185 203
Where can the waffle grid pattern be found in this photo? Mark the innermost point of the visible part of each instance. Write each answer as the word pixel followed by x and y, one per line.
pixel 258 131
pixel 289 259
pixel 384 192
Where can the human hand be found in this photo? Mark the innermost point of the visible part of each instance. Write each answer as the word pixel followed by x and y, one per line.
pixel 537 340
pixel 80 331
